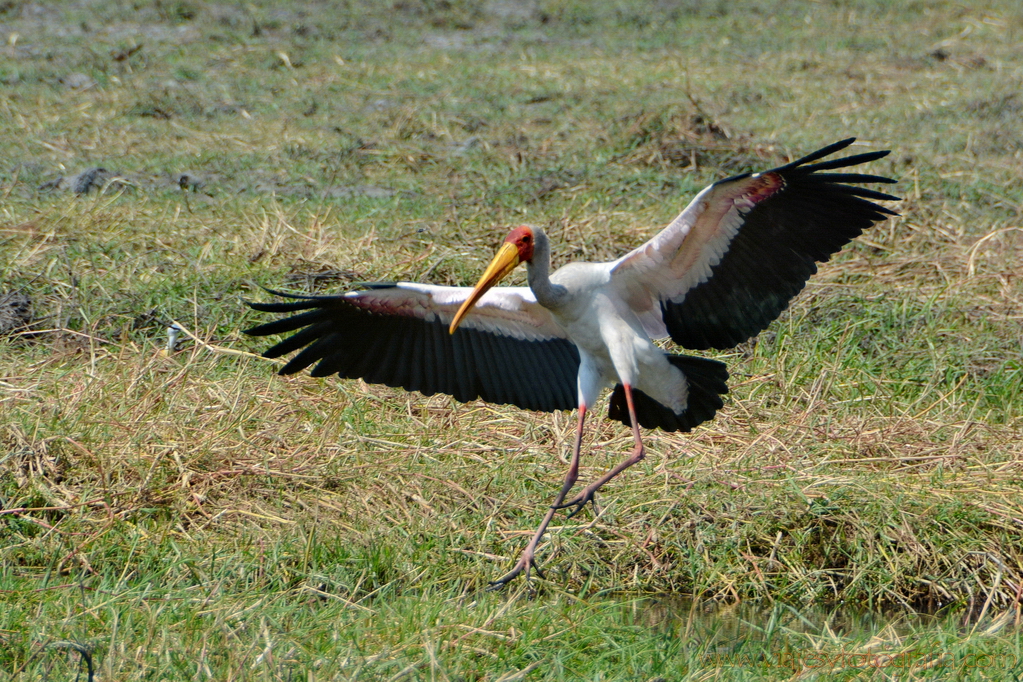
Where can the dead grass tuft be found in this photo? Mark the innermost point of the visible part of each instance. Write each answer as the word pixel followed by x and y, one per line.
pixel 689 139
pixel 191 513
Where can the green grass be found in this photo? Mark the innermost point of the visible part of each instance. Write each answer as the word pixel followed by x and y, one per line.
pixel 194 516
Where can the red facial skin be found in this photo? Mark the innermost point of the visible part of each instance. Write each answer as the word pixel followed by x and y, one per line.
pixel 522 238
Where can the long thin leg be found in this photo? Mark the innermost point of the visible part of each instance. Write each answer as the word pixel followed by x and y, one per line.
pixel 527 560
pixel 638 451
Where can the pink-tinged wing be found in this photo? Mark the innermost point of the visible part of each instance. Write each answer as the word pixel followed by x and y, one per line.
pixel 732 261
pixel 508 349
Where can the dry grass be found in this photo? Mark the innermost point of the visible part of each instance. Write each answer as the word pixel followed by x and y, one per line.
pixel 189 514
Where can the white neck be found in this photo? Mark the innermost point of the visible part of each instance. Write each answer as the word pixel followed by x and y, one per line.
pixel 538 271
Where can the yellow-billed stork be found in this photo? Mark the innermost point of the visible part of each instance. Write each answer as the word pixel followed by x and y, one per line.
pixel 714 277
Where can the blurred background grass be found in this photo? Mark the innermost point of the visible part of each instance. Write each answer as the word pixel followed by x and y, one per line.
pixel 194 516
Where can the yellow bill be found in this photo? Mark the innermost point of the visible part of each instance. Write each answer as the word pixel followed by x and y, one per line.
pixel 504 262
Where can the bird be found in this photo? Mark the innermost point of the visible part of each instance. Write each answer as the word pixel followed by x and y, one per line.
pixel 714 277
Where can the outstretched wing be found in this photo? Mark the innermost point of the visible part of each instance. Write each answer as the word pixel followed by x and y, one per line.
pixel 508 350
pixel 731 262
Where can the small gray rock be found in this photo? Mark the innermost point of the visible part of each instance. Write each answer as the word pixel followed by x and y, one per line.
pixel 87 180
pixel 77 81
pixel 190 181
pixel 15 311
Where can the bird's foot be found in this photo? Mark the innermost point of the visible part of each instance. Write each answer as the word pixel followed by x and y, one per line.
pixel 580 501
pixel 525 563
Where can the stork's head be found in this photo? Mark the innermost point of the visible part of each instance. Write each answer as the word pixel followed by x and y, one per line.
pixel 517 248
pixel 522 238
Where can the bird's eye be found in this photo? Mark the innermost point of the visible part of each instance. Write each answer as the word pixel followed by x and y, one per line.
pixel 526 238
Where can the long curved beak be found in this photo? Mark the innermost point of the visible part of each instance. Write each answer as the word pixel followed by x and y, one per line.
pixel 504 262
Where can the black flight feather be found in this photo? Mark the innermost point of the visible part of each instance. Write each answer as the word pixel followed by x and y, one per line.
pixel 340 337
pixel 776 250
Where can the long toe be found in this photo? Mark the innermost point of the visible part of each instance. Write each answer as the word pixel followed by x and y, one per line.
pixel 580 502
pixel 525 563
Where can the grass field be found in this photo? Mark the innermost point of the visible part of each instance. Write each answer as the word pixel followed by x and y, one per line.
pixel 193 516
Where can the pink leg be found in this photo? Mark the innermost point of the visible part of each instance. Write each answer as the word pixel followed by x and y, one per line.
pixel 586 495
pixel 527 560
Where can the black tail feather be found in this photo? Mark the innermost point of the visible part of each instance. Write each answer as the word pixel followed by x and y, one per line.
pixel 707 383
